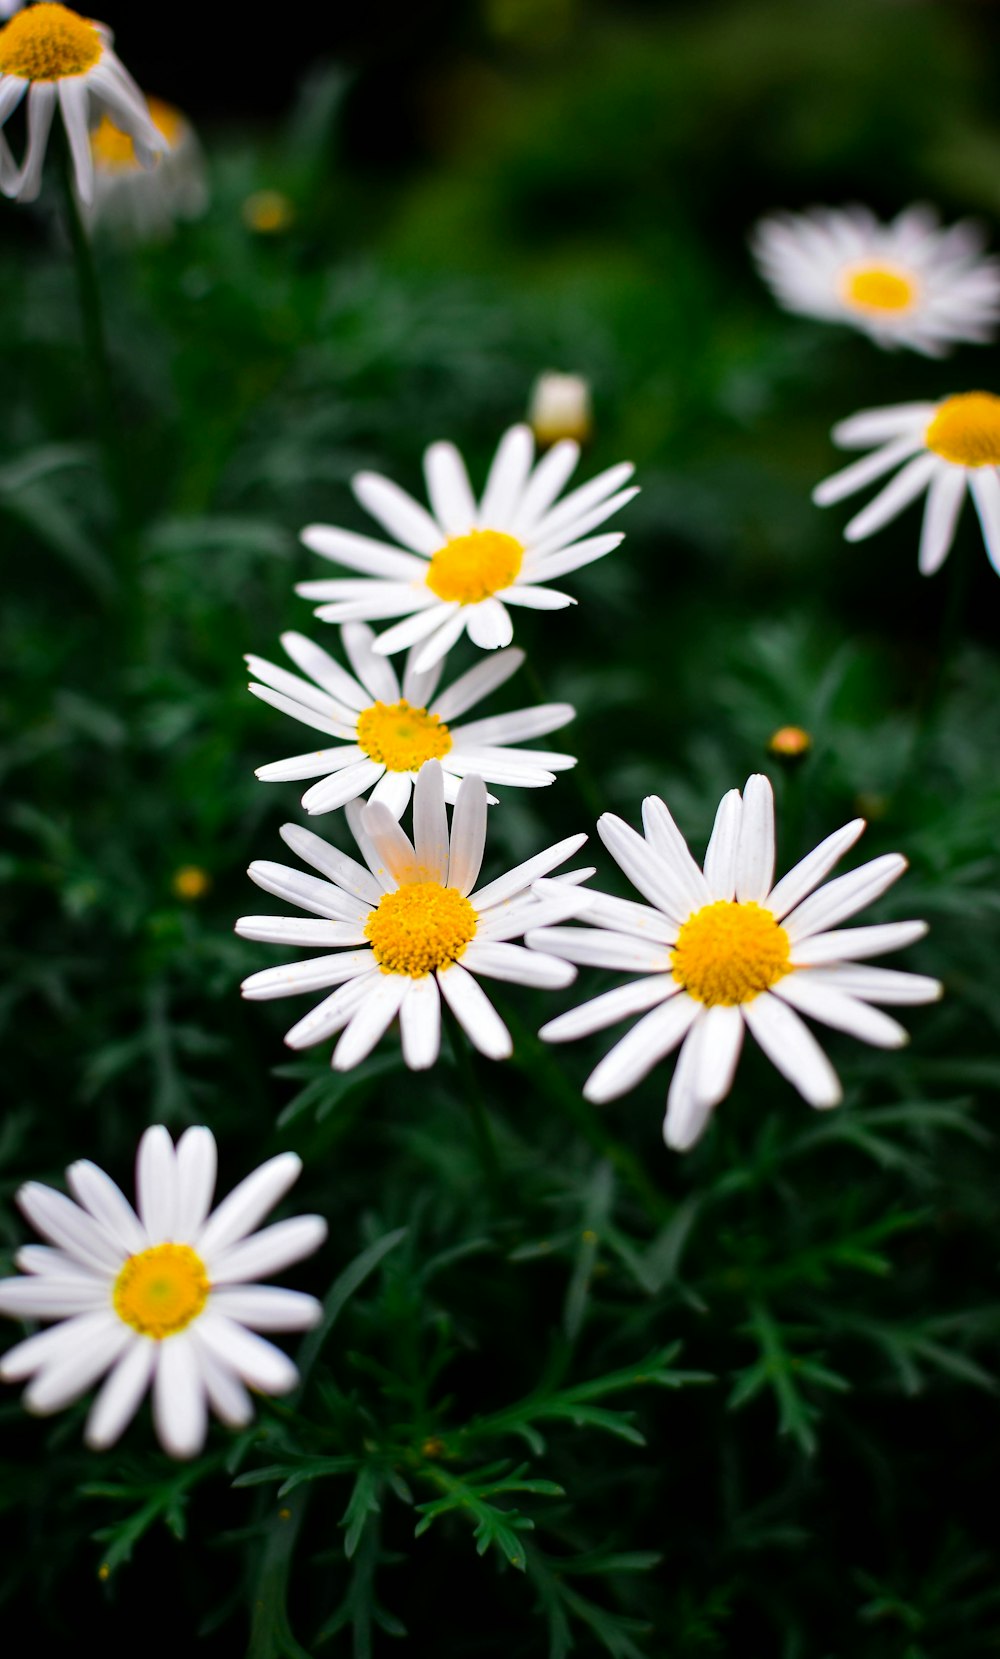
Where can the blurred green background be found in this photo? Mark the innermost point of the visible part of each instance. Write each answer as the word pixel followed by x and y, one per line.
pixel 478 194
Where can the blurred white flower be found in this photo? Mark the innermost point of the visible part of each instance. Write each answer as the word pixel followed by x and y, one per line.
pixel 945 448
pixel 161 1297
pixel 54 56
pixel 560 407
pixel 409 927
pixel 388 732
pixel 144 203
pixel 724 950
pixel 908 283
pixel 458 570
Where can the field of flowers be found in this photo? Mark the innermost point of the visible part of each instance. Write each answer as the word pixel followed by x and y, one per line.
pixel 550 1205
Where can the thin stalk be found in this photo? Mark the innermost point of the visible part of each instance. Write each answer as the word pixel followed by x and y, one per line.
pixel 465 1064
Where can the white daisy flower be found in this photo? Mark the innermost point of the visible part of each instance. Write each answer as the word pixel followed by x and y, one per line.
pixel 389 731
pixel 162 1297
pixel 409 927
pixel 724 949
pixel 55 56
pixel 457 571
pixel 942 448
pixel 144 204
pixel 908 283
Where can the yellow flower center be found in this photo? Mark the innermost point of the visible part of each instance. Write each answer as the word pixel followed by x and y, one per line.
pixel 114 150
pixel 48 43
pixel 728 953
pixel 877 288
pixel 402 736
pixel 420 927
pixel 470 568
pixel 966 430
pixel 160 1291
pixel 268 212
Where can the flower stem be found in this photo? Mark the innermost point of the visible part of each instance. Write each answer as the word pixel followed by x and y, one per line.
pixel 465 1064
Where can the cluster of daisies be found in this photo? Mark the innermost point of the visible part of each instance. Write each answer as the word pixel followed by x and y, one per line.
pixel 163 1296
pixel 906 284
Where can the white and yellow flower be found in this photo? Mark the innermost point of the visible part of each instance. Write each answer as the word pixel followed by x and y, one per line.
pixel 724 950
pixel 461 565
pixel 945 448
pixel 908 283
pixel 52 55
pixel 144 204
pixel 161 1297
pixel 408 927
pixel 389 731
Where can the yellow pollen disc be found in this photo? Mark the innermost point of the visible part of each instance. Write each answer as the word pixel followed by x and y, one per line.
pixel 877 288
pixel 728 953
pixel 473 567
pixel 114 150
pixel 48 43
pixel 966 430
pixel 420 927
pixel 160 1291
pixel 402 736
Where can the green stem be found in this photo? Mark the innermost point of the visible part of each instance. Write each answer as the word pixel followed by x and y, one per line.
pixel 465 1065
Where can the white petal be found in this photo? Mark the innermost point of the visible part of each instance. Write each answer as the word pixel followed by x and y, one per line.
pixel 333 1013
pixel 393 792
pixel 475 1012
pixel 504 497
pixel 179 1408
pixel 515 727
pixel 825 1002
pixel 376 674
pixel 546 905
pixel 655 1036
pixel 391 844
pixel 108 1205
pixel 843 897
pixel 555 539
pixel 548 478
pixel 905 487
pixel 269 1251
pixel 316 763
pixel 449 490
pixel 343 786
pixel 301 930
pixel 470 688
pixel 879 984
pixel 660 879
pixel 320 898
pixel 468 835
pixel 41 105
pixel 846 944
pixel 56 1346
pixel 430 825
pixel 121 1395
pixel 355 815
pixel 330 861
pixel 328 721
pixel 197 1163
pixel 755 858
pixel 687 1114
pixel 625 916
pixel 944 503
pixel 863 472
pixel 420 1023
pixel 720 855
pixel 293 979
pixel 326 671
pixel 608 1009
pixel 266 1308
pixel 47 1296
pixel 719 1041
pixel 397 512
pixel 534 598
pixel 792 1049
pixel 64 1224
pixel 62 1381
pixel 261 1365
pixel 597 493
pixel 426 619
pixel 522 875
pixel 572 558
pixel 874 426
pixel 74 101
pixel 246 1205
pixel 985 487
pixel 488 625
pixel 595 948
pixel 225 1392
pixel 440 643
pixel 374 558
pixel 497 960
pixel 370 1022
pixel 667 841
pixel 41 1258
pixel 809 872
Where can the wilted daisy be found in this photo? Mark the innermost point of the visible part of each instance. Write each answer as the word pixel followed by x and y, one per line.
pixel 942 448
pixel 908 283
pixel 408 927
pixel 54 55
pixel 460 566
pixel 724 950
pixel 388 732
pixel 163 1296
pixel 143 203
